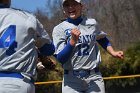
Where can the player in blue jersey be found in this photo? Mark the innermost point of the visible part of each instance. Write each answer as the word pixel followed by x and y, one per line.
pixel 76 41
pixel 20 34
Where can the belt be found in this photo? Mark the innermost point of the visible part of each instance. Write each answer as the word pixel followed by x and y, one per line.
pixel 82 73
pixel 14 75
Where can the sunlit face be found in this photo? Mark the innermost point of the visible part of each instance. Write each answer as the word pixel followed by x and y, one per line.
pixel 72 9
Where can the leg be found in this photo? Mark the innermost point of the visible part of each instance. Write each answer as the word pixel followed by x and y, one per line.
pixel 67 89
pixel 15 85
pixel 96 86
pixel 72 84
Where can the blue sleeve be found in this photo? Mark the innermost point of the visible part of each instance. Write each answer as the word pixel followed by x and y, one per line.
pixel 47 49
pixel 65 53
pixel 104 42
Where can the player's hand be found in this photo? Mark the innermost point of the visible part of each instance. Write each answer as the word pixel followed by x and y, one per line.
pixel 118 54
pixel 75 33
pixel 46 62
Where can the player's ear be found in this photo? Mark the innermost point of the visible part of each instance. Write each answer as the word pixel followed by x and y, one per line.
pixel 65 15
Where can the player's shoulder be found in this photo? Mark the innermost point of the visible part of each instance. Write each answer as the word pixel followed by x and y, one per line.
pixel 89 21
pixel 24 14
pixel 59 28
pixel 61 25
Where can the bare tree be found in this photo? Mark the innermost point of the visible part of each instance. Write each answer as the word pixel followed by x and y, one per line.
pixel 120 18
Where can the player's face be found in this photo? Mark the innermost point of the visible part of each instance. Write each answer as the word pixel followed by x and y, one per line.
pixel 72 9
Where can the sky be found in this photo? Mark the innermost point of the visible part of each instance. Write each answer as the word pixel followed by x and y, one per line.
pixel 32 5
pixel 29 5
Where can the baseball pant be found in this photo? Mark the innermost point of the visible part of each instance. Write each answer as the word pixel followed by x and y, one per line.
pixel 15 85
pixel 92 84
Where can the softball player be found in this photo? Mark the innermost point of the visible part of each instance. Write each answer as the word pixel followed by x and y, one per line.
pixel 20 34
pixel 76 40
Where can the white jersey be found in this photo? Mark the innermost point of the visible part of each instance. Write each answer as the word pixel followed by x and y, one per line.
pixel 86 54
pixel 19 33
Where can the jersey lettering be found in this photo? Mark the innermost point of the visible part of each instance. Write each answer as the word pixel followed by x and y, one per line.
pixel 86 38
pixel 7 40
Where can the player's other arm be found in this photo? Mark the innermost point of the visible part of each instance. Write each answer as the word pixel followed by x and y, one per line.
pixel 64 55
pixel 43 41
pixel 47 49
pixel 105 43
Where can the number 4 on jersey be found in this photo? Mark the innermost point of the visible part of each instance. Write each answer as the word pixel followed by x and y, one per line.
pixel 7 40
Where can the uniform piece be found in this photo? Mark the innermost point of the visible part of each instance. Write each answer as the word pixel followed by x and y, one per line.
pixel 20 34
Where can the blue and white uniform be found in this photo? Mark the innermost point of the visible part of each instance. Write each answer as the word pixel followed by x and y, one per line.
pixel 80 63
pixel 20 34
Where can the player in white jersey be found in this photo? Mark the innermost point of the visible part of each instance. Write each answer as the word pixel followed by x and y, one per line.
pixel 20 34
pixel 76 40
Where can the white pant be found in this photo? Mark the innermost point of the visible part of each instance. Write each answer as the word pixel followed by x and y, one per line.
pixel 15 85
pixel 92 84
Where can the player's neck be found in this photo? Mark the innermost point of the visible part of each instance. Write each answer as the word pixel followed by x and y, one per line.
pixel 76 21
pixel 4 6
